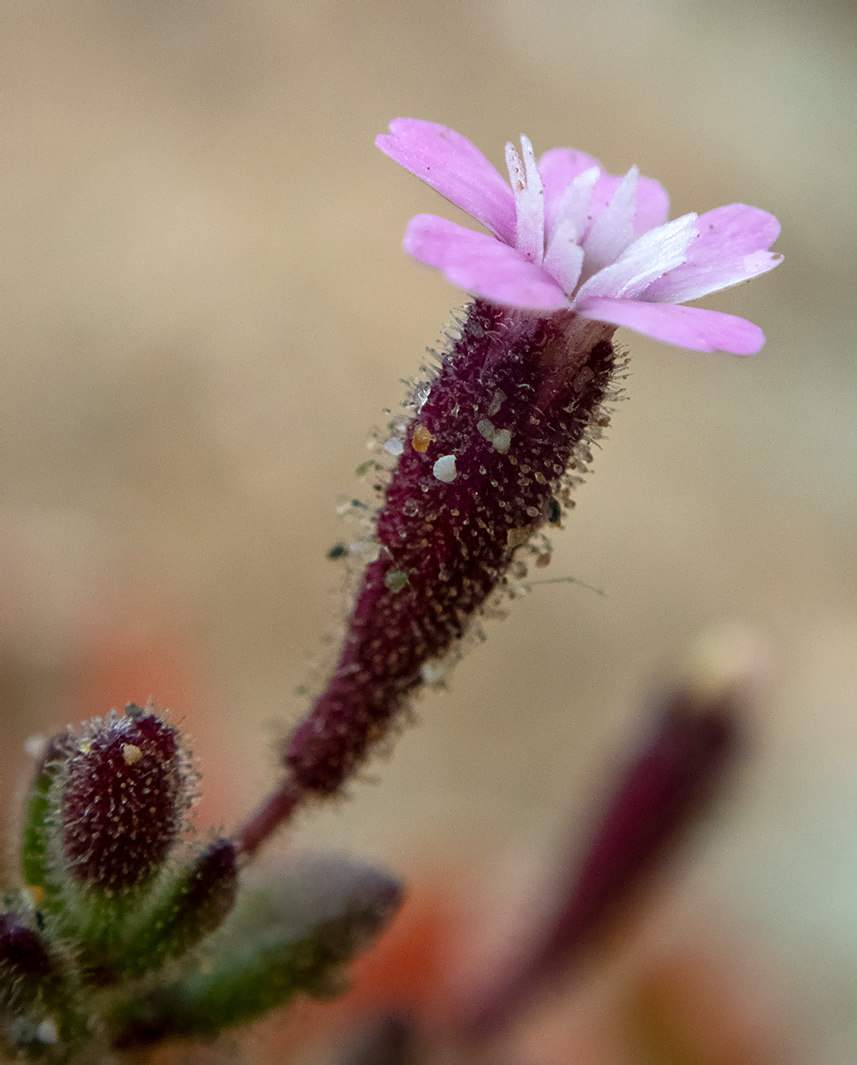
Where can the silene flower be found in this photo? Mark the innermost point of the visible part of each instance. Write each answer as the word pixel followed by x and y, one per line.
pixel 494 443
pixel 566 235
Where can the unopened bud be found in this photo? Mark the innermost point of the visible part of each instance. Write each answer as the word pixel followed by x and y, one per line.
pixel 664 785
pixel 208 894
pixel 25 964
pixel 197 903
pixel 122 801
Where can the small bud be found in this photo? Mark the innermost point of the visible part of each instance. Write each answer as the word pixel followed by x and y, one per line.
pixel 25 964
pixel 208 894
pixel 193 908
pixel 663 787
pixel 123 796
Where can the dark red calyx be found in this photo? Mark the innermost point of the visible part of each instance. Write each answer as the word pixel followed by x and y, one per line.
pixel 122 801
pixel 511 410
pixel 25 963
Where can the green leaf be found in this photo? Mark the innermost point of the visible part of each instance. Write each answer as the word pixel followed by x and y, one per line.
pixel 290 933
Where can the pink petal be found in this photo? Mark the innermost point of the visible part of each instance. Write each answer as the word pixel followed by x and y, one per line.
pixel 652 201
pixel 731 247
pixel 455 168
pixel 482 265
pixel 559 167
pixel 653 205
pixel 688 327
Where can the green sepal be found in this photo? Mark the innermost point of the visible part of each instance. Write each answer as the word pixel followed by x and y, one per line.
pixel 96 928
pixel 38 828
pixel 290 933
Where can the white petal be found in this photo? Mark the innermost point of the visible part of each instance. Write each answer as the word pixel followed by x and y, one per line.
pixel 573 206
pixel 613 230
pixel 650 256
pixel 564 257
pixel 529 201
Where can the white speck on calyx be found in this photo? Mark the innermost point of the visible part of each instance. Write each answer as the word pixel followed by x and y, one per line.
pixel 46 1032
pixel 394 446
pixel 434 670
pixel 499 439
pixel 444 469
pixel 502 441
pixel 131 753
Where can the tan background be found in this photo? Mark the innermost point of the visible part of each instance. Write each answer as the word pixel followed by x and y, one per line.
pixel 205 307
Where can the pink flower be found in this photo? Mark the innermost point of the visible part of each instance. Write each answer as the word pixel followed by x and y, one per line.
pixel 569 236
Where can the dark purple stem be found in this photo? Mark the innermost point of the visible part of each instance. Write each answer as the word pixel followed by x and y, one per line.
pixel 276 810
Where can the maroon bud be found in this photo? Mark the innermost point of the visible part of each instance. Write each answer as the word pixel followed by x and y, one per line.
pixel 25 964
pixel 122 801
pixel 658 795
pixel 664 786
pixel 207 897
pixel 196 905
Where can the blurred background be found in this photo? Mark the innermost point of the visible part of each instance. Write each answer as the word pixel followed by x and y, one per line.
pixel 205 308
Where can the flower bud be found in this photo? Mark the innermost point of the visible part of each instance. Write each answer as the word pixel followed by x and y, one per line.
pixel 25 964
pixel 122 800
pixel 207 895
pixel 195 905
pixel 662 789
pixel 513 408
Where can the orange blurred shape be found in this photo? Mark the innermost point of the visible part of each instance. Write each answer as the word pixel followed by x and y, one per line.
pixel 695 1006
pixel 133 654
pixel 134 658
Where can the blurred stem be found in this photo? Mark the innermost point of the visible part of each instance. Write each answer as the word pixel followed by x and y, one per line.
pixel 273 812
